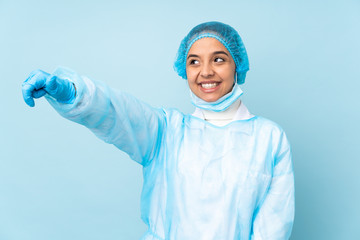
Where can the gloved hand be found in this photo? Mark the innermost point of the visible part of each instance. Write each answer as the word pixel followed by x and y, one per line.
pixel 39 83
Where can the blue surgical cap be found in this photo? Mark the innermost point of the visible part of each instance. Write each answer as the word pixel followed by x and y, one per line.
pixel 225 34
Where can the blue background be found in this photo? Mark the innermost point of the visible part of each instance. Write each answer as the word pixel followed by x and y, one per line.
pixel 58 181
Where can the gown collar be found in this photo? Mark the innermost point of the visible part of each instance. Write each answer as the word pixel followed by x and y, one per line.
pixel 237 111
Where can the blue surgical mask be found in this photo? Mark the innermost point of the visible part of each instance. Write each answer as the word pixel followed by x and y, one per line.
pixel 219 105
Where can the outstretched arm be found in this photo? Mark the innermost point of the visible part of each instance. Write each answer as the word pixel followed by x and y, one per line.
pixel 115 117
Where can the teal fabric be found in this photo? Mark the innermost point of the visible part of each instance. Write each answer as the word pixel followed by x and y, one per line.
pixel 224 33
pixel 201 181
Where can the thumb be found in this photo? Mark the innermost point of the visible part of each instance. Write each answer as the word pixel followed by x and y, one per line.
pixel 52 85
pixel 61 89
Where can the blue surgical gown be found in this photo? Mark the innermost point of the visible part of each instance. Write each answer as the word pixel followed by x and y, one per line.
pixel 201 181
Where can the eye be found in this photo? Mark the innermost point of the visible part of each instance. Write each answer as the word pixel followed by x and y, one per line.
pixel 194 61
pixel 218 59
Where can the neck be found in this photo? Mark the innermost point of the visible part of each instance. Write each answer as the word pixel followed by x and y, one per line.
pixel 224 117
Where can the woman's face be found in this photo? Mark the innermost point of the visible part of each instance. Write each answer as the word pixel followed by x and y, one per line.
pixel 210 69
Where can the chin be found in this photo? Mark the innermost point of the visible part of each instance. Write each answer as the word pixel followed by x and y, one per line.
pixel 210 98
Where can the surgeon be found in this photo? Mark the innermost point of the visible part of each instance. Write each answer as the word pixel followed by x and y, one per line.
pixel 221 173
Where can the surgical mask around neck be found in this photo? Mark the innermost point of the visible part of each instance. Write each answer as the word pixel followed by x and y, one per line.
pixel 219 105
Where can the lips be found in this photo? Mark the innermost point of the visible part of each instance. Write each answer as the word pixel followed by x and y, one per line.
pixel 208 87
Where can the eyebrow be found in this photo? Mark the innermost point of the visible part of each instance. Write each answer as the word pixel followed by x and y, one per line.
pixel 220 52
pixel 192 55
pixel 214 53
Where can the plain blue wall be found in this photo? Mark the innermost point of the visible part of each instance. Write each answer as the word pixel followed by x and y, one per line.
pixel 58 181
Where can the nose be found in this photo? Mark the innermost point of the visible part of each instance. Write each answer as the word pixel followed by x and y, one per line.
pixel 207 70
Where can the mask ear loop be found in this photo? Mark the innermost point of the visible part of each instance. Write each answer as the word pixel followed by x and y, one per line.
pixel 235 80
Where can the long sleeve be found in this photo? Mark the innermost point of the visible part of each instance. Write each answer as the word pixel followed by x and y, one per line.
pixel 115 117
pixel 274 218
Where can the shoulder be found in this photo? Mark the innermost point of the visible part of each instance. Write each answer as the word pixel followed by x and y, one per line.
pixel 270 129
pixel 266 124
pixel 272 133
pixel 173 115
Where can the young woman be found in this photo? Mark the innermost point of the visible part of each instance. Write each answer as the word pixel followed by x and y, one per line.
pixel 221 173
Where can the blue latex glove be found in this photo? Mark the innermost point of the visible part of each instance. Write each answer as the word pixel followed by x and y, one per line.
pixel 39 83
